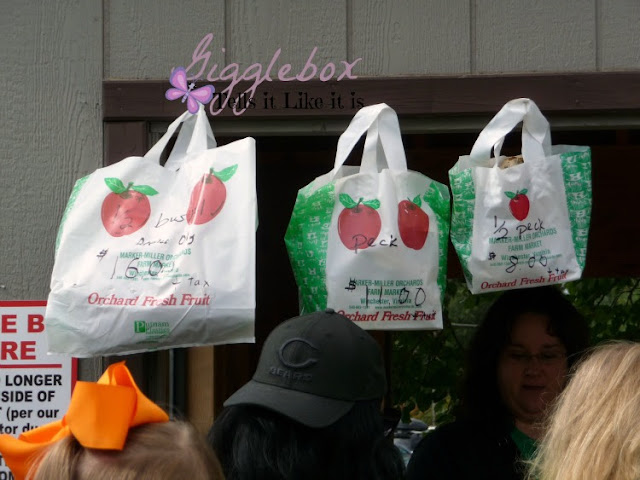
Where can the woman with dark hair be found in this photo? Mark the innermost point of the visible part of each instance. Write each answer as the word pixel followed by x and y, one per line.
pixel 517 365
pixel 312 409
pixel 265 445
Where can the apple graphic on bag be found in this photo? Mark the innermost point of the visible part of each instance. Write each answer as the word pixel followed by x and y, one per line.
pixel 358 224
pixel 413 223
pixel 126 209
pixel 518 204
pixel 208 196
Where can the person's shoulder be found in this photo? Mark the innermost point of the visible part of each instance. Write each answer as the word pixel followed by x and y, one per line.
pixel 437 451
pixel 450 432
pixel 463 449
pixel 455 427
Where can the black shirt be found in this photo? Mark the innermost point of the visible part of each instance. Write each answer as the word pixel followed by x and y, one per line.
pixel 466 450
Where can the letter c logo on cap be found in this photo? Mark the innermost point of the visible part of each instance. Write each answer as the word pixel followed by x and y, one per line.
pixel 300 364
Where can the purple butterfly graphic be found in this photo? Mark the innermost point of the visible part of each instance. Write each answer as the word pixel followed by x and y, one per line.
pixel 193 97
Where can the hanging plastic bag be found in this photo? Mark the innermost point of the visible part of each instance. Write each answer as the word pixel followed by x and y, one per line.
pixel 152 257
pixel 371 241
pixel 523 221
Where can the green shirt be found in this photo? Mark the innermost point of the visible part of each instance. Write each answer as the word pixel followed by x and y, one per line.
pixel 526 445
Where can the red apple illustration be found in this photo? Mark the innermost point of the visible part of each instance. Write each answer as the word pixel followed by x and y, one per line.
pixel 126 209
pixel 413 223
pixel 358 224
pixel 208 196
pixel 519 204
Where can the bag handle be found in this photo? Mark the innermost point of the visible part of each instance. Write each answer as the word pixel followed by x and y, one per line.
pixel 195 135
pixel 381 124
pixel 536 135
pixel 373 150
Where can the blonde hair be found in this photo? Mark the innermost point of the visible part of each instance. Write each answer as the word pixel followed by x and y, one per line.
pixel 594 428
pixel 155 451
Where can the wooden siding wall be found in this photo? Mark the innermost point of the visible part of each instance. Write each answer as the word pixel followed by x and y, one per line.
pixel 50 132
pixel 146 38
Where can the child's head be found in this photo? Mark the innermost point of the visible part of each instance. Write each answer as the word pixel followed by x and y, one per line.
pixel 110 431
pixel 156 451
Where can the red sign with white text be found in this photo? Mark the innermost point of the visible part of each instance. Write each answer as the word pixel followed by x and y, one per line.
pixel 35 388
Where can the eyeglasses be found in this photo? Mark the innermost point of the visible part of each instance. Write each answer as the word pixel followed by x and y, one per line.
pixel 545 358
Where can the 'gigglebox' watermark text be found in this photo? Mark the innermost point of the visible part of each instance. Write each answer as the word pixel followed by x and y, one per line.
pixel 232 73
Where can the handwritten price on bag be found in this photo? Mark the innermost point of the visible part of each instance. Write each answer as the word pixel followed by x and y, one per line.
pixel 513 262
pixel 386 292
pixel 134 265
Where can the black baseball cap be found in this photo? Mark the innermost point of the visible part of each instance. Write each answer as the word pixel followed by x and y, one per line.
pixel 313 369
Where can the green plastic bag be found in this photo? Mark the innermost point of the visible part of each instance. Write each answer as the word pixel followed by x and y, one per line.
pixel 525 225
pixel 371 241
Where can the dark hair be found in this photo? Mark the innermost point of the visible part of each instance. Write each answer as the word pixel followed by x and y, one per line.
pixel 254 443
pixel 481 398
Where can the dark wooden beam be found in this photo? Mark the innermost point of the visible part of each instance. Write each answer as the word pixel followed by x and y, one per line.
pixel 572 93
pixel 124 139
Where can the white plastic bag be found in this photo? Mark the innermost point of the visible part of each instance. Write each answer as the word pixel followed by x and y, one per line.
pixel 526 225
pixel 152 257
pixel 371 241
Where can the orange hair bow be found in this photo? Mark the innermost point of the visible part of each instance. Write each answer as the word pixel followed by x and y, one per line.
pixel 99 416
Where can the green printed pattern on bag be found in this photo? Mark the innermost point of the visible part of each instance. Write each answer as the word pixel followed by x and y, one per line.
pixel 307 238
pixel 576 173
pixel 438 199
pixel 72 200
pixel 464 200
